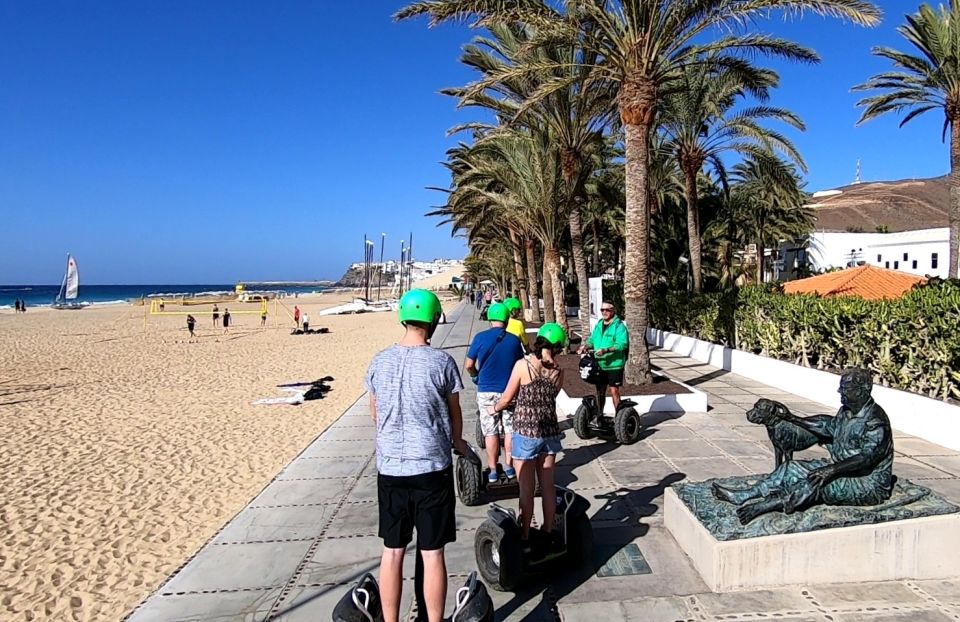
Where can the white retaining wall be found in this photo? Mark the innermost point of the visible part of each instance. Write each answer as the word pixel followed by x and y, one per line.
pixel 923 417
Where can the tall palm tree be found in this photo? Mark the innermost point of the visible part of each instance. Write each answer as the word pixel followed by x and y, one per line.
pixel 929 81
pixel 639 47
pixel 575 116
pixel 699 125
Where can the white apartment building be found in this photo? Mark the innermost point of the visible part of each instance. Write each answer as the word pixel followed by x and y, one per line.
pixel 924 252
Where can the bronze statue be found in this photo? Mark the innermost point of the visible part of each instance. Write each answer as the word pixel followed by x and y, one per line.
pixel 860 471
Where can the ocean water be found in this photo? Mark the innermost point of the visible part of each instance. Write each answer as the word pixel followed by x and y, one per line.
pixel 44 295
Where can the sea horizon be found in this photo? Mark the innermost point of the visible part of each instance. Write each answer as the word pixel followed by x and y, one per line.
pixel 44 295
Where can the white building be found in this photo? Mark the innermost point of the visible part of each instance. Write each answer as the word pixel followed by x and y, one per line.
pixel 898 225
pixel 923 252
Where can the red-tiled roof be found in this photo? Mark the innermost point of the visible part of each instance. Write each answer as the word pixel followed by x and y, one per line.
pixel 868 282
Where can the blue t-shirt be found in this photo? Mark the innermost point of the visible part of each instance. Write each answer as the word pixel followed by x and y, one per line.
pixel 495 361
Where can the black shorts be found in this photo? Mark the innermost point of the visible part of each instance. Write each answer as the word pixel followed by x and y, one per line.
pixel 610 378
pixel 425 502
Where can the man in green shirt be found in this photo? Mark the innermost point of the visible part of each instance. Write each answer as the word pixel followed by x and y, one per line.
pixel 610 344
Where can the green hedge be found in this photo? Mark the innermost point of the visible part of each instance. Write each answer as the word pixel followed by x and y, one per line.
pixel 912 343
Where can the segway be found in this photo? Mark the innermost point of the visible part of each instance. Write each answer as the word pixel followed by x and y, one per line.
pixel 472 479
pixel 500 557
pixel 589 422
pixel 362 602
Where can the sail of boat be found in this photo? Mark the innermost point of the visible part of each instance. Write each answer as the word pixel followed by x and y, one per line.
pixel 70 285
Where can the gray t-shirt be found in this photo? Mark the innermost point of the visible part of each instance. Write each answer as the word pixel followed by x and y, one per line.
pixel 411 384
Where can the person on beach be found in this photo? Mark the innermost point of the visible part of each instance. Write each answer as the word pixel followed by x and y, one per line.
pixel 296 315
pixel 306 322
pixel 263 318
pixel 16 306
pixel 515 325
pixel 191 323
pixel 535 383
pixel 415 404
pixel 490 361
pixel 226 319
pixel 216 316
pixel 610 343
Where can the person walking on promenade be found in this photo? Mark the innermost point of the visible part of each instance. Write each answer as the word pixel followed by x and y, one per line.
pixel 610 343
pixel 216 316
pixel 535 383
pixel 415 404
pixel 490 361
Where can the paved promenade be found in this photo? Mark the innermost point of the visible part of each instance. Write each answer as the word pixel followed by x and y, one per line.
pixel 291 552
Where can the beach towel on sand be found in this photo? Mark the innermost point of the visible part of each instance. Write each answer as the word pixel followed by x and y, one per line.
pixel 315 390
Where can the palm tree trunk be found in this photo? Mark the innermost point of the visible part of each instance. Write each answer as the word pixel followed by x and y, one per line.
pixel 596 250
pixel 551 263
pixel 637 108
pixel 518 266
pixel 532 280
pixel 579 262
pixel 690 171
pixel 549 312
pixel 954 197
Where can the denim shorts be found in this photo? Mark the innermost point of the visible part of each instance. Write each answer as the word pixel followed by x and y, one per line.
pixel 528 448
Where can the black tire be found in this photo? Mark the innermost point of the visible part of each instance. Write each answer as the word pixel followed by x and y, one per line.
pixel 498 556
pixel 581 422
pixel 468 482
pixel 580 543
pixel 481 439
pixel 626 426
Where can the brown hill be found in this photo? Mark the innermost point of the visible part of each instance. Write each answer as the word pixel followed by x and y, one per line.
pixel 904 205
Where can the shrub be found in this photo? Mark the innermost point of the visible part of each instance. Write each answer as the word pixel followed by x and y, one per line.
pixel 911 343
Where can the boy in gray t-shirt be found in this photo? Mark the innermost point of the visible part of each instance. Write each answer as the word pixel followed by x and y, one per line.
pixel 414 400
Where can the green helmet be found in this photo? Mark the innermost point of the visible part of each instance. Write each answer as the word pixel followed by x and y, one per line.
pixel 498 312
pixel 419 305
pixel 553 333
pixel 512 304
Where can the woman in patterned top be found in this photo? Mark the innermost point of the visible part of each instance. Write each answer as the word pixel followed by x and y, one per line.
pixel 535 382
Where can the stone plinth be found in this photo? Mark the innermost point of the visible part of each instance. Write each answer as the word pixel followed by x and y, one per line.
pixel 916 548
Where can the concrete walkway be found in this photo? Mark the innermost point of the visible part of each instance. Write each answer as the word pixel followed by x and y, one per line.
pixel 290 554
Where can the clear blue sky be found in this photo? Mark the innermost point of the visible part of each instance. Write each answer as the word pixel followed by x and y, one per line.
pixel 203 142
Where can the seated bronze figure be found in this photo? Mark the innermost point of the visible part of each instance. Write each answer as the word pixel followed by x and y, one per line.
pixel 859 471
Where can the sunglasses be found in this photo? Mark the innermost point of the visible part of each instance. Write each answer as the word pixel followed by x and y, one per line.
pixel 606 309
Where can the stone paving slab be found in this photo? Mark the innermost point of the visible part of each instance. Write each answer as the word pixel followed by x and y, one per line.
pixel 291 553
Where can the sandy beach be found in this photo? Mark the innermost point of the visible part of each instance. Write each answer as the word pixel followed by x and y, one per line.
pixel 125 448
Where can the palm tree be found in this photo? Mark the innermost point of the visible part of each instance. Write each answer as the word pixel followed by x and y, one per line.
pixel 929 81
pixel 575 116
pixel 699 125
pixel 768 204
pixel 639 47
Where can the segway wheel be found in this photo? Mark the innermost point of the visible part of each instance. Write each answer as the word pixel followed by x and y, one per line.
pixel 581 422
pixel 580 546
pixel 481 439
pixel 626 426
pixel 468 482
pixel 498 556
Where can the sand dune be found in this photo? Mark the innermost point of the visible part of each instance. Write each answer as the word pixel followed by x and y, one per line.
pixel 124 449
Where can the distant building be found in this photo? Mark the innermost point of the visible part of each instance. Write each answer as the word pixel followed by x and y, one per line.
pixel 865 282
pixel 899 225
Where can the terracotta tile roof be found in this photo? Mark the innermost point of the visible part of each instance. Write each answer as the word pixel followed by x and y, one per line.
pixel 867 282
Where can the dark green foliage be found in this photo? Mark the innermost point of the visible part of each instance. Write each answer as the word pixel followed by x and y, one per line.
pixel 912 343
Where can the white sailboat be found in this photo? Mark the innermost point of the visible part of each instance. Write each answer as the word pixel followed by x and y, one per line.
pixel 67 297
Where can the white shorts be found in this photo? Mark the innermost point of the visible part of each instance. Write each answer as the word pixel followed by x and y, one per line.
pixel 493 425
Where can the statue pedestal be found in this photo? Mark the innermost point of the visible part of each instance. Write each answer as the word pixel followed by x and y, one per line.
pixel 915 548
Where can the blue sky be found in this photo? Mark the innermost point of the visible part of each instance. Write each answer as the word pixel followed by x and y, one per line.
pixel 210 142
